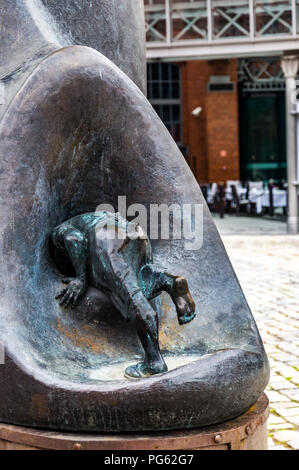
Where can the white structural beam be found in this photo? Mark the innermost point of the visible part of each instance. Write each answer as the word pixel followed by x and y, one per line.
pixel 297 143
pixel 294 18
pixel 290 65
pixel 191 50
pixel 210 20
pixel 168 21
pixel 251 19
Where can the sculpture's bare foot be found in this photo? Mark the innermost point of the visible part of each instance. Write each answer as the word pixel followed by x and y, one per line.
pixel 142 370
pixel 185 305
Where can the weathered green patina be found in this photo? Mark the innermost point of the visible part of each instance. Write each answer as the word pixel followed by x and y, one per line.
pixel 115 256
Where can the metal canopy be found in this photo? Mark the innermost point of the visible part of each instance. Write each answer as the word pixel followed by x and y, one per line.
pixel 261 74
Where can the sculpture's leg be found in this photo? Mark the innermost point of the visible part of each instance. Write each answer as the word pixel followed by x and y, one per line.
pixel 146 323
pixel 108 266
pixel 153 281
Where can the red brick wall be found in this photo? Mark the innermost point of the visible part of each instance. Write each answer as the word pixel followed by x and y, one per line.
pixel 194 79
pixel 213 137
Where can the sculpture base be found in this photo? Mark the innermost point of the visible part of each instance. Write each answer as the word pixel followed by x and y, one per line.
pixel 247 432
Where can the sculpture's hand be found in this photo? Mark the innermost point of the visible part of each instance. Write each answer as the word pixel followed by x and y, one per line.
pixel 70 295
pixel 185 309
pixel 184 302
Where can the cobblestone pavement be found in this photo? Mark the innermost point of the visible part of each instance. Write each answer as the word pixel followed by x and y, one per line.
pixel 242 225
pixel 268 270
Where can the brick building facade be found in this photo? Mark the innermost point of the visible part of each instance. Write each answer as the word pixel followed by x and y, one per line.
pixel 227 116
pixel 236 116
pixel 211 138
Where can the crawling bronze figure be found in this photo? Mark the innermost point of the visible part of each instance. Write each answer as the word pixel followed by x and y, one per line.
pixel 115 256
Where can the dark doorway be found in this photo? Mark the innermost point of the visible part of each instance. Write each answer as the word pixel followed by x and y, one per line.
pixel 263 136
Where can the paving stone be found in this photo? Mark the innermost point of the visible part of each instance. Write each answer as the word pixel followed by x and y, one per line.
pixel 288 412
pixel 290 437
pixel 283 385
pixel 276 397
pixel 285 358
pixel 278 427
pixel 267 267
pixel 271 443
pixel 292 394
pixel 285 405
pixel 273 420
pixel 294 419
pixel 287 371
pixel 294 362
pixel 274 378
pixel 279 448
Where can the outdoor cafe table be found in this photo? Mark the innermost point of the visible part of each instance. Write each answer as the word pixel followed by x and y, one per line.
pixel 260 197
pixel 280 198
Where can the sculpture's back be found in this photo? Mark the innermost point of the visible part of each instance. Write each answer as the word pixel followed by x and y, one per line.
pixel 78 132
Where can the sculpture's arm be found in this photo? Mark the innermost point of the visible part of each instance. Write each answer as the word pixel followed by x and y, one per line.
pixel 76 245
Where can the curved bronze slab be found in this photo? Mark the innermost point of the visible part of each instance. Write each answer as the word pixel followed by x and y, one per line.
pixel 32 29
pixel 77 134
pixel 247 432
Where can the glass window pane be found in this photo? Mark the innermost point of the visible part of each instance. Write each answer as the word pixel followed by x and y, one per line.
pixel 165 90
pixel 166 113
pixel 231 20
pixel 165 71
pixel 189 19
pixel 175 90
pixel 175 71
pixel 273 17
pixel 156 91
pixel 155 68
pixel 164 93
pixel 176 110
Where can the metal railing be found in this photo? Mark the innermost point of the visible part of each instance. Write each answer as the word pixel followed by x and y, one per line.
pixel 180 23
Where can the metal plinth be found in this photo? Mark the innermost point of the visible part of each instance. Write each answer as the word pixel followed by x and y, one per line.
pixel 248 432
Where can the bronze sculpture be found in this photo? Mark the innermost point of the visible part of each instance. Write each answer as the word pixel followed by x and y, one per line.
pixel 121 265
pixel 76 131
